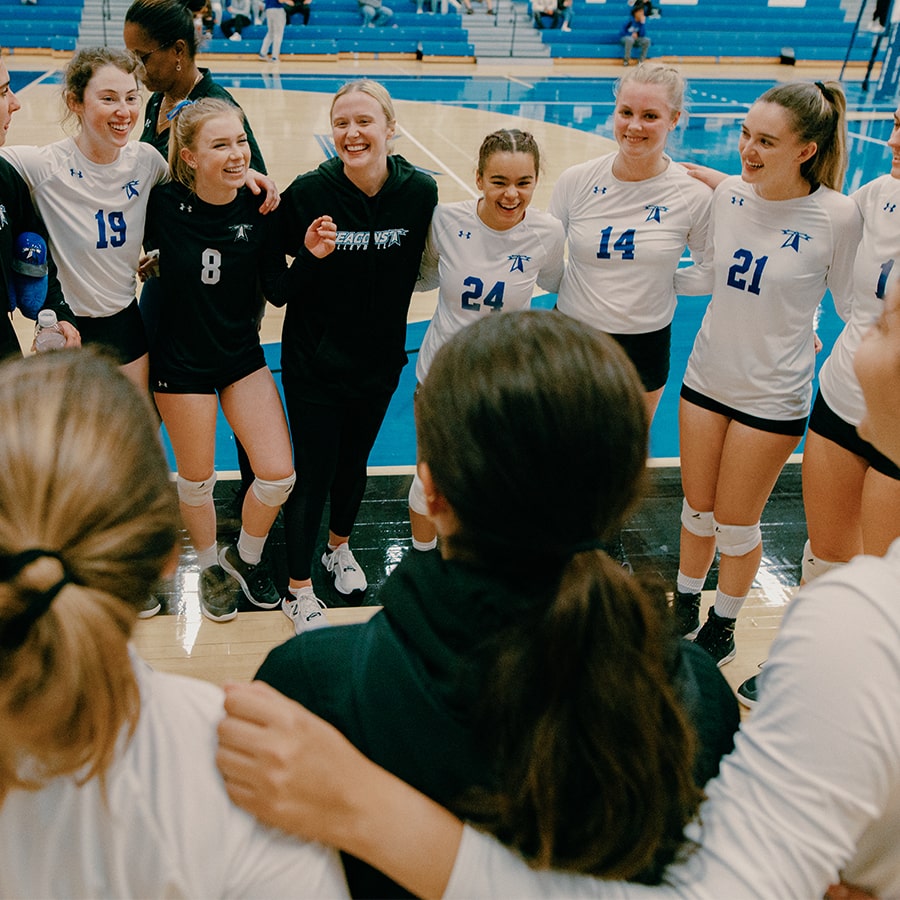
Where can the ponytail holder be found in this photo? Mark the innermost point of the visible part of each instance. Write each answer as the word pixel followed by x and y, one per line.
pixel 823 89
pixel 17 628
pixel 177 108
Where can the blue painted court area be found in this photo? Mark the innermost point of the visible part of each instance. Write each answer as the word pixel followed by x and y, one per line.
pixel 708 135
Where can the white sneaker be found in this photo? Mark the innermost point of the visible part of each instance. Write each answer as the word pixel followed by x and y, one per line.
pixel 235 37
pixel 348 574
pixel 305 611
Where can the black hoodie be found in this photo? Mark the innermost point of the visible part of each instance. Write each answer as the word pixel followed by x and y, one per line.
pixel 344 331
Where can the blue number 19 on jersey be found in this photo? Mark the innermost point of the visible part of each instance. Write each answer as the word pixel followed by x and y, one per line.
pixel 115 222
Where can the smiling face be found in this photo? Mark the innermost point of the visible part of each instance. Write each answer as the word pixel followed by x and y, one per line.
pixel 361 132
pixel 877 366
pixel 643 121
pixel 220 158
pixel 8 102
pixel 507 182
pixel 772 153
pixel 108 113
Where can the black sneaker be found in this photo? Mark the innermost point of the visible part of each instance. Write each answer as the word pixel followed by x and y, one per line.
pixel 716 637
pixel 217 594
pixel 748 693
pixel 149 607
pixel 255 581
pixel 686 608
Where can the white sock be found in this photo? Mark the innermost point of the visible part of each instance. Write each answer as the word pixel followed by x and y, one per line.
pixel 208 557
pixel 728 607
pixel 688 585
pixel 297 591
pixel 250 548
pixel 424 545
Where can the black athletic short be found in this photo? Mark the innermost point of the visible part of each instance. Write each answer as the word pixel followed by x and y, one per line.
pixel 122 333
pixel 825 422
pixel 791 427
pixel 650 354
pixel 179 381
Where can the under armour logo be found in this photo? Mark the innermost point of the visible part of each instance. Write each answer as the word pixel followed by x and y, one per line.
pixel 518 262
pixel 737 201
pixel 793 239
pixel 241 232
pixel 131 188
pixel 76 173
pixel 599 190
pixel 185 207
pixel 465 234
pixel 4 221
pixel 889 207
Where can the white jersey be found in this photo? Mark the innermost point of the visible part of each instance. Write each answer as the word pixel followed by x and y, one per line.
pixel 879 203
pixel 94 215
pixel 811 793
pixel 625 241
pixel 482 271
pixel 771 262
pixel 168 830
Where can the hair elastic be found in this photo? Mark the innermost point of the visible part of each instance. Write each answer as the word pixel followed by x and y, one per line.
pixel 16 629
pixel 177 108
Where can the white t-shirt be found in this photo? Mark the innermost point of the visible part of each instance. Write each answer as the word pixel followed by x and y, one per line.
pixel 771 263
pixel 481 271
pixel 169 829
pixel 811 793
pixel 625 241
pixel 879 203
pixel 94 215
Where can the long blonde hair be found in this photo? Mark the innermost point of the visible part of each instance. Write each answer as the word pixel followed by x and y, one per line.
pixel 88 518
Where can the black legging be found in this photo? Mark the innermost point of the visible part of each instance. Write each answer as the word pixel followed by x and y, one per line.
pixel 331 450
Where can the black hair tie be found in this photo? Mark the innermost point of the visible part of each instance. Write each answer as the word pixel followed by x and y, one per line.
pixel 17 628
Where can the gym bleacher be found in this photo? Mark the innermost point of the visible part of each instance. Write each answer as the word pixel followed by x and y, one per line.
pixel 708 30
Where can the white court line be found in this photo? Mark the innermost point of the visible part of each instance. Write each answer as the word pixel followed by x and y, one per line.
pixel 527 84
pixel 439 162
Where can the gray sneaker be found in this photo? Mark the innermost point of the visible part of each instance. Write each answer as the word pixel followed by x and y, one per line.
pixel 255 581
pixel 305 611
pixel 217 594
pixel 348 575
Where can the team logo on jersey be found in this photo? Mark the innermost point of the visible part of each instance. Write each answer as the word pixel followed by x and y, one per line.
pixel 76 173
pixel 4 221
pixel 599 190
pixel 241 232
pixel 655 213
pixel 518 262
pixel 889 207
pixel 466 234
pixel 359 240
pixel 130 188
pixel 737 201
pixel 793 239
pixel 390 237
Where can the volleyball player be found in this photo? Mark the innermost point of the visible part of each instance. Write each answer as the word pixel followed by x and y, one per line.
pixel 781 234
pixel 215 248
pixel 628 217
pixel 486 256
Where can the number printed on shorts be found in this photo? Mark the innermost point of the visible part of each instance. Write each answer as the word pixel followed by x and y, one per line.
pixel 211 270
pixel 624 244
pixel 493 298
pixel 745 262
pixel 111 229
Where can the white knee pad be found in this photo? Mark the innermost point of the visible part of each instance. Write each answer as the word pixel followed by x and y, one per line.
pixel 736 540
pixel 195 493
pixel 273 493
pixel 813 567
pixel 417 501
pixel 699 523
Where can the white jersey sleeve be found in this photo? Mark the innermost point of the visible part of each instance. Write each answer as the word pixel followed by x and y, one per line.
pixel 879 203
pixel 95 217
pixel 168 828
pixel 811 793
pixel 625 242
pixel 773 260
pixel 482 271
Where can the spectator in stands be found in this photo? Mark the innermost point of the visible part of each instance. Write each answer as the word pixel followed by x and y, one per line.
pixel 238 19
pixel 276 19
pixel 565 10
pixel 298 9
pixel 634 33
pixel 542 10
pixel 374 12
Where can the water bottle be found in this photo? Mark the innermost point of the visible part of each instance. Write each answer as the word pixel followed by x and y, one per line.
pixel 47 335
